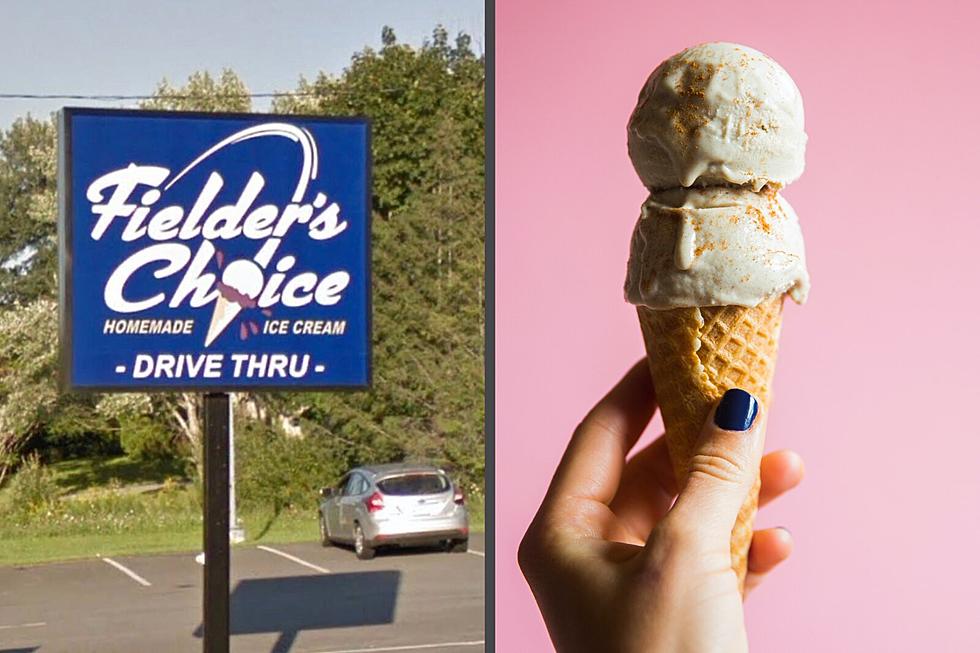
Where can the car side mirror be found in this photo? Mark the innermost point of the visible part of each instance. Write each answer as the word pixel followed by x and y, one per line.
pixel 327 492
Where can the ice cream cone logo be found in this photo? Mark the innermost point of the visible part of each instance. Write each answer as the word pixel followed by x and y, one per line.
pixel 240 285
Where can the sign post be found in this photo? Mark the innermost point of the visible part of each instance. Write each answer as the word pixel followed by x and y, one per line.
pixel 213 253
pixel 216 522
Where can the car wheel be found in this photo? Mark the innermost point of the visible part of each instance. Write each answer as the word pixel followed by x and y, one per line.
pixel 363 550
pixel 459 546
pixel 324 533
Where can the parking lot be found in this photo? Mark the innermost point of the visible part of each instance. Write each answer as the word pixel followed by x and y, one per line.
pixel 299 598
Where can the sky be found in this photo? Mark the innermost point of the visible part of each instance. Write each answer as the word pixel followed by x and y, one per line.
pixel 102 47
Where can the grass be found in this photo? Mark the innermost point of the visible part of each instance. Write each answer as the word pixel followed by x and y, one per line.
pixel 27 549
pixel 134 524
pixel 82 473
pixel 89 509
pixel 287 526
pixel 119 506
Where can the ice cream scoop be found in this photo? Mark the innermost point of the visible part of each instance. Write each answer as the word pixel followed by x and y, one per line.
pixel 718 113
pixel 243 280
pixel 715 246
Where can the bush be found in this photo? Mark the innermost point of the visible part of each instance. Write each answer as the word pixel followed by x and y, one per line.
pixel 32 488
pixel 57 446
pixel 274 471
pixel 144 439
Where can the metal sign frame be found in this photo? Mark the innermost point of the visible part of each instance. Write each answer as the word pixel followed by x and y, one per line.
pixel 66 255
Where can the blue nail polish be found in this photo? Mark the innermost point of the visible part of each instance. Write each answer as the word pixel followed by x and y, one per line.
pixel 737 411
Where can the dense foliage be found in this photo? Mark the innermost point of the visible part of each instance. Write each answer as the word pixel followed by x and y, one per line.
pixel 426 106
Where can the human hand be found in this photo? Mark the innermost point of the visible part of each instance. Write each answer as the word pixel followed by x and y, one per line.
pixel 616 564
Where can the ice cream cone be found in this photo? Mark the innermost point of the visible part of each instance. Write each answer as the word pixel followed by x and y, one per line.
pixel 695 355
pixel 224 312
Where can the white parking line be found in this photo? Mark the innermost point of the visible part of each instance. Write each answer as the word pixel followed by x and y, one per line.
pixel 477 553
pixel 298 561
pixel 129 572
pixel 30 625
pixel 409 647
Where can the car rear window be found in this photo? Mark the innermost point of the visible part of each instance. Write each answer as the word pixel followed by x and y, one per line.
pixel 410 484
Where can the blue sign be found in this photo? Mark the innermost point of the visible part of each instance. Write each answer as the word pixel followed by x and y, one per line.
pixel 214 251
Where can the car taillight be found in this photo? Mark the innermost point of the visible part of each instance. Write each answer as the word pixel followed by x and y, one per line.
pixel 459 497
pixel 375 502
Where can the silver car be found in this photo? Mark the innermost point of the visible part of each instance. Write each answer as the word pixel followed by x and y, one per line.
pixel 398 505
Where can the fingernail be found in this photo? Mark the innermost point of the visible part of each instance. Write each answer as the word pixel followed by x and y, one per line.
pixel 783 528
pixel 737 410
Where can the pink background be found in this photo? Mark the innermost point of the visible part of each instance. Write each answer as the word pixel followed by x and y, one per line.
pixel 877 385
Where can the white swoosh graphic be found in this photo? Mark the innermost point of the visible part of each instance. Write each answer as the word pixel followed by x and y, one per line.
pixel 292 132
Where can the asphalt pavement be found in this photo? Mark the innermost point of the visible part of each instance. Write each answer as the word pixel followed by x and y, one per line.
pixel 289 598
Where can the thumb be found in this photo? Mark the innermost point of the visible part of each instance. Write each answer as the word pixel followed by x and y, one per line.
pixel 723 468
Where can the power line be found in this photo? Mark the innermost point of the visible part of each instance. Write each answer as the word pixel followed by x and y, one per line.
pixel 116 98
pixel 73 96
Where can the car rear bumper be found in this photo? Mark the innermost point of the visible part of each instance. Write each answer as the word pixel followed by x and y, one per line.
pixel 420 539
pixel 416 532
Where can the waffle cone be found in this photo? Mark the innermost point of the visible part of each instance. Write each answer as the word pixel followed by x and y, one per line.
pixel 695 355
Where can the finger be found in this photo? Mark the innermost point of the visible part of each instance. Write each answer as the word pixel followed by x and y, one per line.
pixel 648 485
pixel 650 474
pixel 593 462
pixel 769 548
pixel 722 470
pixel 646 490
pixel 780 472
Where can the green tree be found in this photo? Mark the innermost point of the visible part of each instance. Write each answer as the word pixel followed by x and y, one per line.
pixel 29 399
pixel 202 92
pixel 28 373
pixel 28 212
pixel 409 93
pixel 426 106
